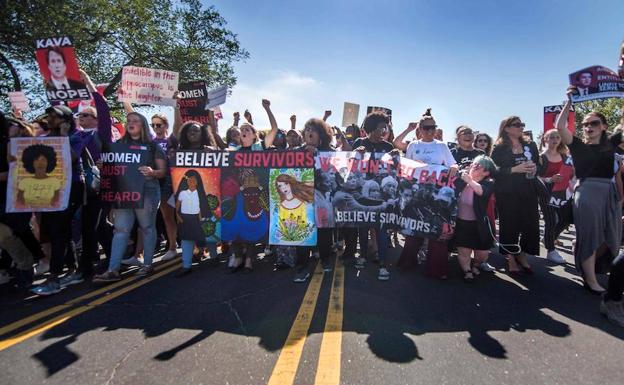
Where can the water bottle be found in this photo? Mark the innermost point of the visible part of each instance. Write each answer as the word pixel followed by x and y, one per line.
pixel 529 157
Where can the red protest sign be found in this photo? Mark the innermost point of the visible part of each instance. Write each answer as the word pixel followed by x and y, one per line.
pixel 59 69
pixel 550 117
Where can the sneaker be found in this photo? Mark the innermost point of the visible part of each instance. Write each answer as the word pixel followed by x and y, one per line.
pixel 302 277
pixel 360 263
pixel 132 261
pixel 384 274
pixel 41 268
pixel 327 266
pixel 267 251
pixel 487 267
pixel 555 257
pixel 71 279
pixel 145 270
pixel 24 279
pixel 49 287
pixel 4 277
pixel 109 276
pixel 613 310
pixel 169 255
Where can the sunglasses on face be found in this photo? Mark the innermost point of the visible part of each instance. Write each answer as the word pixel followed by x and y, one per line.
pixel 517 125
pixel 156 125
pixel 431 127
pixel 593 123
pixel 466 133
pixel 84 115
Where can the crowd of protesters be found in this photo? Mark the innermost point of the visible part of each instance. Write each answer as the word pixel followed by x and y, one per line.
pixel 91 241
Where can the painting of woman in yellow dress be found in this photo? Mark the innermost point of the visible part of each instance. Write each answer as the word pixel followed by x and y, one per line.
pixel 292 215
pixel 40 189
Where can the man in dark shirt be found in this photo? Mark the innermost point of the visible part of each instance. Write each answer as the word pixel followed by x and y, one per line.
pixel 465 152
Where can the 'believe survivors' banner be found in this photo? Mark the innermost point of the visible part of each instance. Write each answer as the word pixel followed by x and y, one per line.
pixel 40 178
pixel 596 82
pixel 59 68
pixel 248 196
pixel 193 99
pixel 355 189
pixel 121 182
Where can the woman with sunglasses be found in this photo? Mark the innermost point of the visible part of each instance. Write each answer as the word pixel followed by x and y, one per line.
pixel 431 151
pixel 465 152
pixel 483 142
pixel 597 205
pixel 516 196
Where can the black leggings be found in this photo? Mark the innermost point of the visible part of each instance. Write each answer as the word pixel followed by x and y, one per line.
pixel 324 242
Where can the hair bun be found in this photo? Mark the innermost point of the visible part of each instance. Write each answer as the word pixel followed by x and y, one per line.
pixel 427 112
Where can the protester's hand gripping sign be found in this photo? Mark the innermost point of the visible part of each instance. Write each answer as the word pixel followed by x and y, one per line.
pixel 148 86
pixel 59 68
pixel 596 82
pixel 40 177
pixel 121 182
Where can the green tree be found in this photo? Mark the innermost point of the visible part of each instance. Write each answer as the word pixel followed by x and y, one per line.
pixel 611 108
pixel 181 36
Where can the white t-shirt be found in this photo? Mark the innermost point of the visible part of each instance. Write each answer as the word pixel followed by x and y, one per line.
pixel 190 202
pixel 435 152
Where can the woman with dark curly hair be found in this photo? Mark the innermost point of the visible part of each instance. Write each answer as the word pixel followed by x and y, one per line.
pixel 40 190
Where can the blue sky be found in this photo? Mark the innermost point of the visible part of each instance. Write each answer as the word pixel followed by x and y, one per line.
pixel 473 62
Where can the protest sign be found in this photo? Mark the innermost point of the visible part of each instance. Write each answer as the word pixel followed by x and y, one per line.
pixel 18 101
pixel 550 118
pixel 385 110
pixel 216 97
pixel 359 190
pixel 148 86
pixel 218 115
pixel 561 192
pixel 193 99
pixel 40 178
pixel 252 196
pixel 121 182
pixel 596 82
pixel 59 68
pixel 350 113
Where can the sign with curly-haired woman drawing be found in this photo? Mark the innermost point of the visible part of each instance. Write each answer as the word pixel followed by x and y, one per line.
pixel 39 175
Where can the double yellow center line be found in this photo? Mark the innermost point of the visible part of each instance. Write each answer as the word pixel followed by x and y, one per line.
pixel 328 369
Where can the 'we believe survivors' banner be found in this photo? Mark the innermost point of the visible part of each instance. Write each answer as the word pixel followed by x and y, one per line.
pixel 356 190
pixel 249 196
pixel 121 182
pixel 59 68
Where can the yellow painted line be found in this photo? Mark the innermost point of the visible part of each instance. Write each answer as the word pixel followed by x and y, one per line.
pixel 7 343
pixel 328 369
pixel 55 309
pixel 288 361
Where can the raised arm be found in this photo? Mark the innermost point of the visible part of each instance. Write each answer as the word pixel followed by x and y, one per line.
pixel 214 127
pixel 236 116
pixel 104 129
pixel 326 115
pixel 293 122
pixel 177 116
pixel 398 141
pixel 562 119
pixel 270 136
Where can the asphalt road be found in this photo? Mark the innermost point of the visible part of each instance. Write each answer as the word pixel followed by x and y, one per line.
pixel 342 327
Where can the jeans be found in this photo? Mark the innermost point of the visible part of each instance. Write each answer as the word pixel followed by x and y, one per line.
pixel 124 221
pixel 381 235
pixel 187 252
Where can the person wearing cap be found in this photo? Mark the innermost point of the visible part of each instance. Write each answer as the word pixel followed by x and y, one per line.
pixel 58 224
pixel 375 125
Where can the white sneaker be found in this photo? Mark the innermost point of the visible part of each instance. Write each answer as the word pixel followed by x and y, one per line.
pixel 41 268
pixel 267 251
pixel 132 261
pixel 487 267
pixel 4 277
pixel 555 257
pixel 169 255
pixel 384 274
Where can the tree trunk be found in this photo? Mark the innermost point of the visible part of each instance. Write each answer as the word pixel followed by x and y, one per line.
pixel 17 84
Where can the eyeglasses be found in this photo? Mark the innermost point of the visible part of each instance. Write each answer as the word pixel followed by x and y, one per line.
pixel 517 125
pixel 157 125
pixel 84 115
pixel 431 127
pixel 593 123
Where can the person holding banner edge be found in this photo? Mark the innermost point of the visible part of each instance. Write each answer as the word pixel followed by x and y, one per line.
pixel 137 133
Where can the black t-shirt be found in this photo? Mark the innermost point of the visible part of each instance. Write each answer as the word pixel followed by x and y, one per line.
pixel 594 160
pixel 464 158
pixel 379 147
